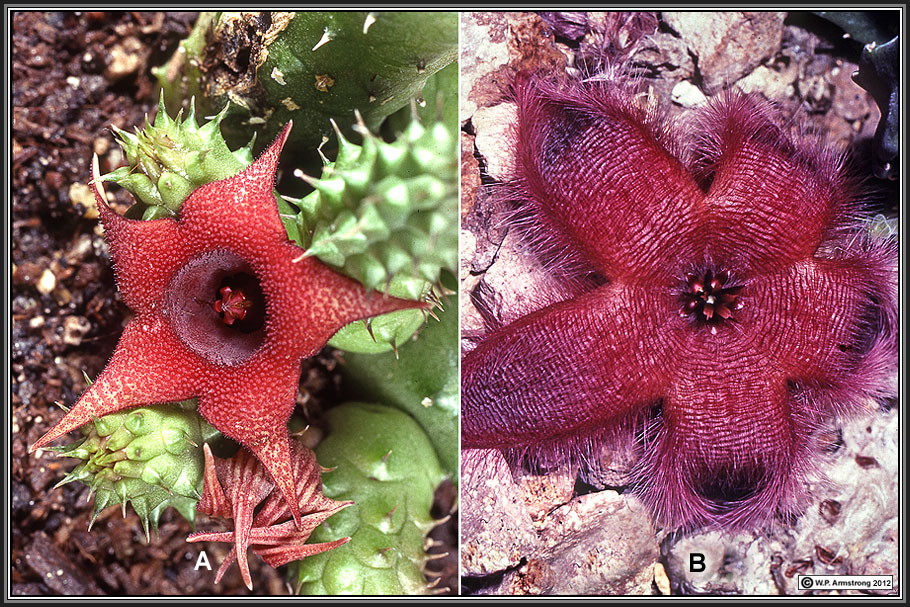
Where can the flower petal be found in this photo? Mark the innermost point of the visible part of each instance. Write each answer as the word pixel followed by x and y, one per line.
pixel 597 171
pixel 246 205
pixel 567 369
pixel 146 254
pixel 214 502
pixel 832 323
pixel 307 475
pixel 724 452
pixel 282 555
pixel 774 198
pixel 150 365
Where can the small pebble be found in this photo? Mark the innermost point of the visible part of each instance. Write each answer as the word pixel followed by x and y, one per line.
pixel 47 282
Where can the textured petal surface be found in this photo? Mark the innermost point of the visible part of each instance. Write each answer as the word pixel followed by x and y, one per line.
pixel 728 449
pixel 569 368
pixel 763 183
pixel 136 246
pixel 580 164
pixel 149 366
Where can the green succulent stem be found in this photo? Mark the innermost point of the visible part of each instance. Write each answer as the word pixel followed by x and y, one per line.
pixel 150 458
pixel 380 458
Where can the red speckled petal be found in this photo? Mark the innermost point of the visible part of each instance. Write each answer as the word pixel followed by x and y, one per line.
pixel 774 199
pixel 178 347
pixel 303 319
pixel 146 254
pixel 596 170
pixel 149 366
pixel 229 212
pixel 568 369
pixel 274 453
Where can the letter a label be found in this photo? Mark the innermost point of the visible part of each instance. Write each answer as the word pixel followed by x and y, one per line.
pixel 202 561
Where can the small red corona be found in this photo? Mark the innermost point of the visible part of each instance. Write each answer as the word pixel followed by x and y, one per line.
pixel 233 305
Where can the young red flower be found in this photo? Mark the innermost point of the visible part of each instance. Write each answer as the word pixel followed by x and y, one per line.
pixel 726 300
pixel 235 487
pixel 228 239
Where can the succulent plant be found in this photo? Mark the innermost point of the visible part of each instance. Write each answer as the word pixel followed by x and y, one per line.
pixel 381 459
pixel 385 214
pixel 170 158
pixel 211 275
pixel 308 67
pixel 422 380
pixel 148 457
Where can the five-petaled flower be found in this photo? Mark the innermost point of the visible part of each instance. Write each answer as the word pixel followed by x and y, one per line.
pixel 724 300
pixel 226 308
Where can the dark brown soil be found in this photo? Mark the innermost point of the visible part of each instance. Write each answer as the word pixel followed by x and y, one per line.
pixel 74 75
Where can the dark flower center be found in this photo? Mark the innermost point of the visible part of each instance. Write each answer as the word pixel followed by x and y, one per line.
pixel 217 308
pixel 709 298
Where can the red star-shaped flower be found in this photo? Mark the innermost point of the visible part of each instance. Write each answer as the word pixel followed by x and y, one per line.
pixel 235 487
pixel 243 367
pixel 742 301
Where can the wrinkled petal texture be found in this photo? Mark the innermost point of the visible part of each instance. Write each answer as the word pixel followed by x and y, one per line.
pixel 730 405
pixel 176 347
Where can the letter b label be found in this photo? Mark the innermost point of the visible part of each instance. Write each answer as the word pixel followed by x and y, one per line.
pixel 696 562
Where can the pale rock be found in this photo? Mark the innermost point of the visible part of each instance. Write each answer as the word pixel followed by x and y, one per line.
pixel 728 45
pixel 492 126
pixel 687 94
pixel 496 528
pixel 484 49
pixel 770 83
pixel 600 543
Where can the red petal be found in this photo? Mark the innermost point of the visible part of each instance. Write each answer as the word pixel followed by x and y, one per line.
pixel 596 170
pixel 150 365
pixel 776 198
pixel 569 368
pixel 729 415
pixel 146 254
pixel 814 318
pixel 246 205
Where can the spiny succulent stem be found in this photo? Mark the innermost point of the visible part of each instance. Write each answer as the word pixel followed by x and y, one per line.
pixel 326 38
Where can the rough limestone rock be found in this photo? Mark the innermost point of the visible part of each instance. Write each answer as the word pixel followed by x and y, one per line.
pixel 496 526
pixel 727 45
